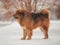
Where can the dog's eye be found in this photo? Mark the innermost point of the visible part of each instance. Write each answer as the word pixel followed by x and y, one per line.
pixel 22 14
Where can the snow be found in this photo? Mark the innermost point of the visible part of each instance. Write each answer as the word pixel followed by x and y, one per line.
pixel 11 33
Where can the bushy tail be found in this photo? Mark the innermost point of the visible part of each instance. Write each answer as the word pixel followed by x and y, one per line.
pixel 45 12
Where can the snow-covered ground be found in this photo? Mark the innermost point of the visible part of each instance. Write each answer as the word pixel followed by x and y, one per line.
pixel 11 33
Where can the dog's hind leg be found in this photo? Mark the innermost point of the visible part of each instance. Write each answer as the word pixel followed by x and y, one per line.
pixel 24 34
pixel 44 29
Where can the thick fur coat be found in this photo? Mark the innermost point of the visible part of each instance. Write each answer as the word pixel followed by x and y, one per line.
pixel 30 21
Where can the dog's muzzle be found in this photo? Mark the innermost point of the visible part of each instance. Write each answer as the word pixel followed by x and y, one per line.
pixel 15 17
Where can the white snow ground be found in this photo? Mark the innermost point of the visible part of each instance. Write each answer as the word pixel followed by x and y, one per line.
pixel 11 34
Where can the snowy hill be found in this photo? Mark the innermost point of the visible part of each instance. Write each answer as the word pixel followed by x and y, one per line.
pixel 11 33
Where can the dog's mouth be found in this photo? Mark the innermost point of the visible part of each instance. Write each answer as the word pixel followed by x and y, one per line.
pixel 15 17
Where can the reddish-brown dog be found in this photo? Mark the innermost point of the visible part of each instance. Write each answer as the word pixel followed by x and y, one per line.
pixel 30 21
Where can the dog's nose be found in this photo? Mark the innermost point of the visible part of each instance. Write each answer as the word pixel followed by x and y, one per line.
pixel 13 15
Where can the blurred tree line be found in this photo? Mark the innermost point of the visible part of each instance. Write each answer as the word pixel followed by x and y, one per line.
pixel 8 7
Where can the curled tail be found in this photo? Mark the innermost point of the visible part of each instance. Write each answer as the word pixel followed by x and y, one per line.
pixel 45 13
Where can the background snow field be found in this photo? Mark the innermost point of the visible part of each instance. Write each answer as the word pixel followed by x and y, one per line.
pixel 11 33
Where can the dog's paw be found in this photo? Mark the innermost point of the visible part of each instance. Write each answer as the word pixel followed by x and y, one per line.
pixel 28 38
pixel 22 38
pixel 45 37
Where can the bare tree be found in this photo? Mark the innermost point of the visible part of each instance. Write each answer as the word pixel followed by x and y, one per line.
pixel 30 5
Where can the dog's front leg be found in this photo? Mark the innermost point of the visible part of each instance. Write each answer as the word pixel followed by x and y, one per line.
pixel 29 34
pixel 24 34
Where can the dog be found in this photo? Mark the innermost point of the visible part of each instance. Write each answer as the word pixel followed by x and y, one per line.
pixel 30 21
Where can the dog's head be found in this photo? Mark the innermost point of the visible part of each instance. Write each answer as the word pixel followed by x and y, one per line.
pixel 19 14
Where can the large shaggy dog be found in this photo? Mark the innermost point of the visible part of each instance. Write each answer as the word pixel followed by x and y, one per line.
pixel 30 21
